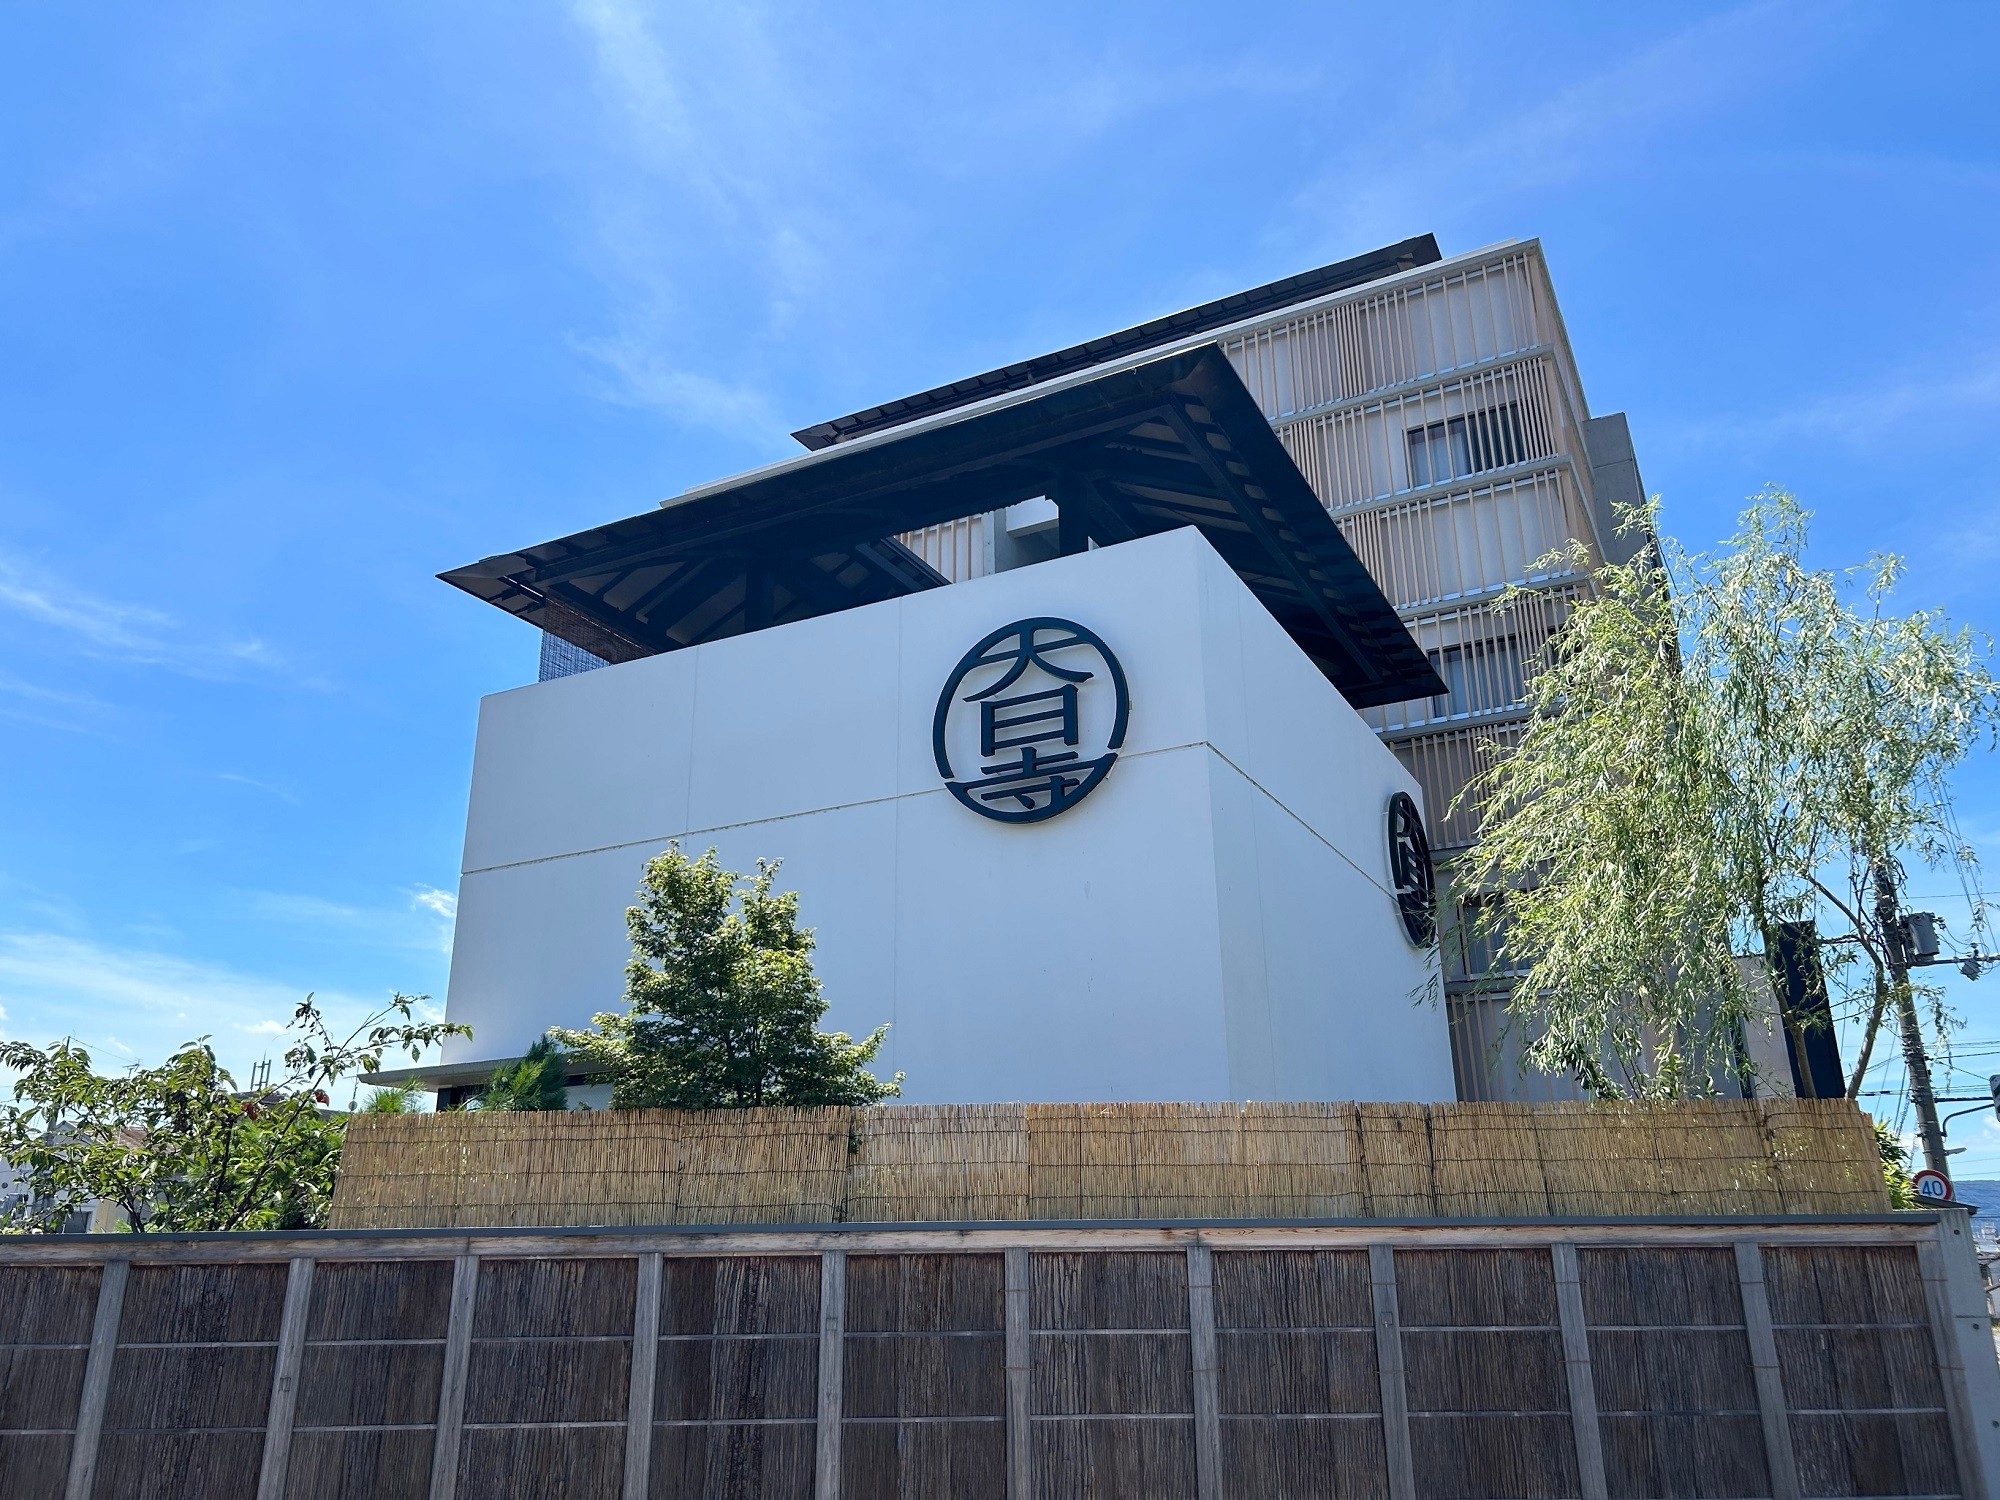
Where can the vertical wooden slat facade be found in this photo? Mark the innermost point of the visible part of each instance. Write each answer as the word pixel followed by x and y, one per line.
pixel 736 1396
pixel 548 1386
pixel 1525 1361
pixel 924 1390
pixel 1301 1393
pixel 1485 1374
pixel 46 1318
pixel 1113 1390
pixel 371 1371
pixel 1676 1391
pixel 191 1382
pixel 1858 1361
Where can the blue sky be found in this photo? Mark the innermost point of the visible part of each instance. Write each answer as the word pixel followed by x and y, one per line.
pixel 300 305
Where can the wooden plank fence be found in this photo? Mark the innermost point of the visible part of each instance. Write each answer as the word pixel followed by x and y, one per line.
pixel 1793 1358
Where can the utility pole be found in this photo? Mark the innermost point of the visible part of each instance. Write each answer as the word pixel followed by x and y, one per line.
pixel 1895 945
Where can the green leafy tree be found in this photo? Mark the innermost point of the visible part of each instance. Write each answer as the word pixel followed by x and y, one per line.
pixel 1719 745
pixel 722 1000
pixel 1895 1167
pixel 179 1147
pixel 537 1081
pixel 402 1099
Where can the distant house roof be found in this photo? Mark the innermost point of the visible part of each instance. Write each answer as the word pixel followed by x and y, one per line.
pixel 1172 329
pixel 1148 447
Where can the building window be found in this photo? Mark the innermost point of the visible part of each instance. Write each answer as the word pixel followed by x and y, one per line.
pixel 1481 678
pixel 1444 451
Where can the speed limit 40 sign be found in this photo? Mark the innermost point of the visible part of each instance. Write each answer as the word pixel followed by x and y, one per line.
pixel 1931 1187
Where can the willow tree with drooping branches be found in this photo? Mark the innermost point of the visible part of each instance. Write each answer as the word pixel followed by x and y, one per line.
pixel 1719 744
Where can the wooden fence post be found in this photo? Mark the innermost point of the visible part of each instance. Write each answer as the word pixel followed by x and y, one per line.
pixel 1203 1361
pixel 1389 1363
pixel 451 1390
pixel 1954 1373
pixel 832 1339
pixel 96 1380
pixel 645 1369
pixel 1764 1362
pixel 1582 1384
pixel 1020 1376
pixel 285 1381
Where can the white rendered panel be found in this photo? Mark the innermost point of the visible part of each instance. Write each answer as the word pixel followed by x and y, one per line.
pixel 1213 921
pixel 811 725
pixel 582 762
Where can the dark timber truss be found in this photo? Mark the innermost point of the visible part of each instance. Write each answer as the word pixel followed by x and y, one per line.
pixel 1177 441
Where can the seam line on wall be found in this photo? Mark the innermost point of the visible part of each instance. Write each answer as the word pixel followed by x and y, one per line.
pixel 663 839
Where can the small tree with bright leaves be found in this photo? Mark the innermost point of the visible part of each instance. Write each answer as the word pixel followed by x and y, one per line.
pixel 179 1147
pixel 723 1004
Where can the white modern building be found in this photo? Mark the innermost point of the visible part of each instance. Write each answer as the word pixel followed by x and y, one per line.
pixel 1215 919
pixel 1283 517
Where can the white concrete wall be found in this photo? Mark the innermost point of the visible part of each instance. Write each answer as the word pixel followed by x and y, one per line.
pixel 1213 922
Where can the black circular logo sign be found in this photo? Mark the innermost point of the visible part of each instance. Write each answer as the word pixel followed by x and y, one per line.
pixel 1411 870
pixel 1032 719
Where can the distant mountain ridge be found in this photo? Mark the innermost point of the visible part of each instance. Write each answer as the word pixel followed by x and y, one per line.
pixel 1982 1193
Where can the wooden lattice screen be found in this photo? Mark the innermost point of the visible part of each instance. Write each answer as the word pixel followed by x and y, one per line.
pixel 1599 1360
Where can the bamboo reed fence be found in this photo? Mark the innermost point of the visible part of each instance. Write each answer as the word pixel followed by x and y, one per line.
pixel 1039 1162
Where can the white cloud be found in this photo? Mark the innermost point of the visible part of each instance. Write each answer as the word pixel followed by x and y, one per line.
pixel 431 899
pixel 123 632
pixel 136 1003
pixel 443 906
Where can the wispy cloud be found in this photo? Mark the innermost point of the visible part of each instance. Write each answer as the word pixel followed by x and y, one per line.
pixel 133 1001
pixel 131 1004
pixel 35 693
pixel 738 183
pixel 443 908
pixel 262 786
pixel 711 146
pixel 23 702
pixel 1860 417
pixel 294 907
pixel 1472 149
pixel 443 903
pixel 422 922
pixel 661 167
pixel 133 633
pixel 645 378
